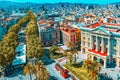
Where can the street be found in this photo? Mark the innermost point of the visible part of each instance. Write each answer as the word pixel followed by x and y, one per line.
pixel 50 66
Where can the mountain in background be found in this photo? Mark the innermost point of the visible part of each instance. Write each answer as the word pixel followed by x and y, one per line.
pixel 6 4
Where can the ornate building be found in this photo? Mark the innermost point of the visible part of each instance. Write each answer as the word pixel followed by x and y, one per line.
pixel 49 33
pixel 102 43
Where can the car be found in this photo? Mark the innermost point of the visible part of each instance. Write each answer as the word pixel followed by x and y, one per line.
pixel 61 70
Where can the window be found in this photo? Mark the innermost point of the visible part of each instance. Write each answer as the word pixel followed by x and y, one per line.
pixel 84 38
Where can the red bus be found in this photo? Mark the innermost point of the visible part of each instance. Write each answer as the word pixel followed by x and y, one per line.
pixel 62 71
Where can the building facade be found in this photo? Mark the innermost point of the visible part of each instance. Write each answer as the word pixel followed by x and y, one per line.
pixel 49 33
pixel 102 44
pixel 70 35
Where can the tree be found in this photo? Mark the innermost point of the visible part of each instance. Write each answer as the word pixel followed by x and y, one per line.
pixel 42 72
pixel 70 57
pixel 34 47
pixel 29 69
pixel 70 45
pixel 2 58
pixel 87 64
pixel 53 49
pixel 73 50
pixel 93 68
pixel 9 42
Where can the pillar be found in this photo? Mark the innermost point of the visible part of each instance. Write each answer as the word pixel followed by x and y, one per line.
pixel 118 47
pixel 97 44
pixel 109 46
pixel 92 57
pixel 104 63
pixel 117 62
pixel 103 45
pixel 91 42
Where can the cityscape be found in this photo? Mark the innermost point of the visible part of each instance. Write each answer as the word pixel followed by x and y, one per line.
pixel 59 40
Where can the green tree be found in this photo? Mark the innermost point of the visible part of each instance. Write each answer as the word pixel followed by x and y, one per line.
pixel 93 68
pixel 34 46
pixel 87 64
pixel 74 52
pixel 9 42
pixel 2 58
pixel 29 69
pixel 42 72
pixel 73 49
pixel 53 49
pixel 70 45
pixel 70 57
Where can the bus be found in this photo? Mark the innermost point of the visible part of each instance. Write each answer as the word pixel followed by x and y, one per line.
pixel 61 70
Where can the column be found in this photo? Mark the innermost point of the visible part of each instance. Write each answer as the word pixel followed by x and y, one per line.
pixel 105 63
pixel 103 45
pixel 92 57
pixel 118 47
pixel 91 42
pixel 117 62
pixel 109 46
pixel 97 44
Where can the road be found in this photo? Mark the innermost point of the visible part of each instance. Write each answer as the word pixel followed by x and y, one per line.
pixel 50 66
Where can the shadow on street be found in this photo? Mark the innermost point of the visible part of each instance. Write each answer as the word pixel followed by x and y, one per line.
pixel 46 59
pixel 53 78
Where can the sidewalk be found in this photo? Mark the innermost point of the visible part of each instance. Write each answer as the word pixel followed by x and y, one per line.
pixel 114 73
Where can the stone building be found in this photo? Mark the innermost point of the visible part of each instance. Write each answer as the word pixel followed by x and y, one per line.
pixel 49 33
pixel 102 43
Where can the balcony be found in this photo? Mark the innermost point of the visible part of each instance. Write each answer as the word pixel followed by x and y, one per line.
pixel 98 52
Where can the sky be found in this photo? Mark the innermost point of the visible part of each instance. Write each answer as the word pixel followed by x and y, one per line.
pixel 71 1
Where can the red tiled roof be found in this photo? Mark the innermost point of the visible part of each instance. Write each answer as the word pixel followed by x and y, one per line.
pixel 41 22
pixel 111 19
pixel 98 52
pixel 69 30
pixel 113 30
pixel 8 19
pixel 112 24
pixel 95 25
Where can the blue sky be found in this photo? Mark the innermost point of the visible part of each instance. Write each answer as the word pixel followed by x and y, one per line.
pixel 73 1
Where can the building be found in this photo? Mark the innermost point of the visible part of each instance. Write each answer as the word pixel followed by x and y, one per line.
pixel 70 35
pixel 102 43
pixel 49 33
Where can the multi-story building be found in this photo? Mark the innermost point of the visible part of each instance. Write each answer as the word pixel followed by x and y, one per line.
pixel 49 33
pixel 70 35
pixel 101 43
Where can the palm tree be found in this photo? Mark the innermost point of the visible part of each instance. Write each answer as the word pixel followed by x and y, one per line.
pixel 34 70
pixel 65 54
pixel 75 52
pixel 93 68
pixel 42 72
pixel 70 45
pixel 97 66
pixel 70 57
pixel 28 69
pixel 92 75
pixel 87 65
